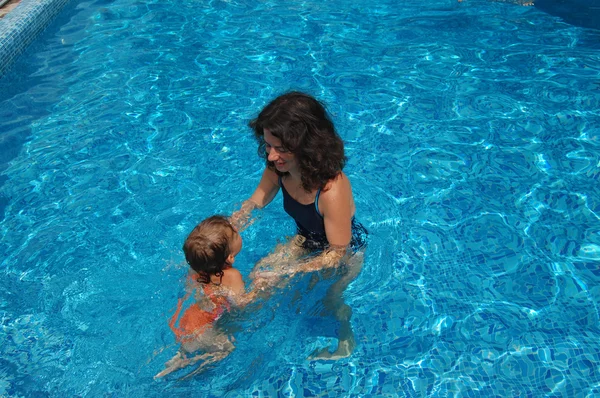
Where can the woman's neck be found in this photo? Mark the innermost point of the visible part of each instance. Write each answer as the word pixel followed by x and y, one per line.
pixel 295 179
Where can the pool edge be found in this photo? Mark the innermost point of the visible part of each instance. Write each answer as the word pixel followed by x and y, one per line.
pixel 22 25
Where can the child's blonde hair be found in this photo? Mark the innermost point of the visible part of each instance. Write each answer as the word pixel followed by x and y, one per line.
pixel 207 247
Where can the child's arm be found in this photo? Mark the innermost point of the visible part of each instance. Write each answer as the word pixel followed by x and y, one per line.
pixel 233 280
pixel 330 258
pixel 282 255
pixel 265 281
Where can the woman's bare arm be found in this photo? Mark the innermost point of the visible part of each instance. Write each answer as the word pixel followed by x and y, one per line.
pixel 337 207
pixel 336 204
pixel 263 195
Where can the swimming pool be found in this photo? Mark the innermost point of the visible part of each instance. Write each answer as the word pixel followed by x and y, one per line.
pixel 472 131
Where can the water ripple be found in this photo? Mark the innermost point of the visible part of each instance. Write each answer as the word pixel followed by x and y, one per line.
pixel 474 159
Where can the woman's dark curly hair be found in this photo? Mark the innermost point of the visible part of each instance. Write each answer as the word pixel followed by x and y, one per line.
pixel 305 129
pixel 207 247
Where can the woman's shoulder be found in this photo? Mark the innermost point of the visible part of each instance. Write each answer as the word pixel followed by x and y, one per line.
pixel 336 202
pixel 336 193
pixel 340 184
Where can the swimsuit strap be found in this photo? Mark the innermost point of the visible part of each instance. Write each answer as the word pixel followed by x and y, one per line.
pixel 317 203
pixel 316 198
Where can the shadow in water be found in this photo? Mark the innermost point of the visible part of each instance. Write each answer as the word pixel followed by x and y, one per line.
pixel 583 13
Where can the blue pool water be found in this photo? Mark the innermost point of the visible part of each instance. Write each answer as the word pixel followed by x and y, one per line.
pixel 473 136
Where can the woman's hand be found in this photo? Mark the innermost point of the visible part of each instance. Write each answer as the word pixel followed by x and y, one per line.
pixel 263 195
pixel 241 218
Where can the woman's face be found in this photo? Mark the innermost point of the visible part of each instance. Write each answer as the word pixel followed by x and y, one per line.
pixel 284 160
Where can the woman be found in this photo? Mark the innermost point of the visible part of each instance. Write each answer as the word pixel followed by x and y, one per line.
pixel 305 157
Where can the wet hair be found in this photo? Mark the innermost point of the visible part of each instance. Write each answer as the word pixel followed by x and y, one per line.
pixel 306 130
pixel 207 247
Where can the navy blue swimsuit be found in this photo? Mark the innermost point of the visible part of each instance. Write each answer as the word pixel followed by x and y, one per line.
pixel 311 225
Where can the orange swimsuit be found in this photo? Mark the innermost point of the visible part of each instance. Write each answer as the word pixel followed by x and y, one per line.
pixel 195 320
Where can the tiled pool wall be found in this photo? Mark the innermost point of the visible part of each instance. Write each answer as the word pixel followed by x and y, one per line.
pixel 22 25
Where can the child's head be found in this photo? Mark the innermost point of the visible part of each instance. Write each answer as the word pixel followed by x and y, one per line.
pixel 211 247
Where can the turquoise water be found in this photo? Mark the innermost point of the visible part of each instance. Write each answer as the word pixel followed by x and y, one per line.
pixel 473 136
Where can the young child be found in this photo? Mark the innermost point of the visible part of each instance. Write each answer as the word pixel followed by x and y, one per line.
pixel 210 250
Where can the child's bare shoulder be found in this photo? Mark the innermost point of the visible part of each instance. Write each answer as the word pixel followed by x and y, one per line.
pixel 232 278
pixel 231 273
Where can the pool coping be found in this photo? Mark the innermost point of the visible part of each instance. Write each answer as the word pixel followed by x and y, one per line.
pixel 22 25
pixel 7 6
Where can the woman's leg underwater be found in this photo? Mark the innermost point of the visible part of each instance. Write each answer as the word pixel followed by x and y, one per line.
pixel 334 302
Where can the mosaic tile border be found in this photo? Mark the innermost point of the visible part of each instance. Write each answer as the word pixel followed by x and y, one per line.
pixel 22 25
